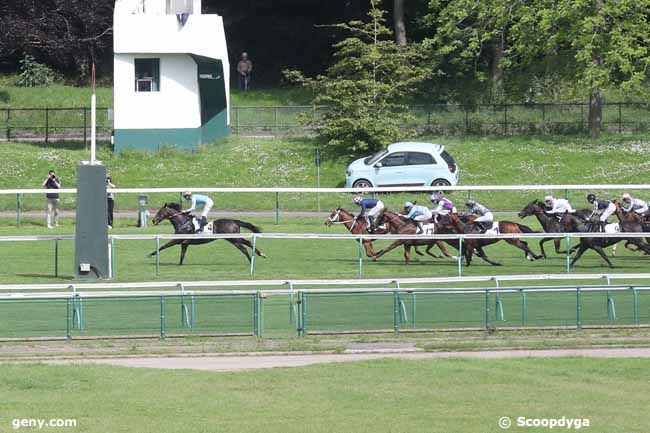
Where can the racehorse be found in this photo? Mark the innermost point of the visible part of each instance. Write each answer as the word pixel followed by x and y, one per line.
pixel 549 223
pixel 571 223
pixel 454 223
pixel 399 226
pixel 632 218
pixel 182 223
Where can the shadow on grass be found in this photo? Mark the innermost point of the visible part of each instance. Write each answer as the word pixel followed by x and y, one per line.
pixel 48 276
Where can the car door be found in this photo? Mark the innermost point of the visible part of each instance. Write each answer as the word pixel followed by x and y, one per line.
pixel 421 167
pixel 392 170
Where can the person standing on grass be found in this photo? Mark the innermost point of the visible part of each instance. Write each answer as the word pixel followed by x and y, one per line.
pixel 110 198
pixel 53 201
pixel 244 71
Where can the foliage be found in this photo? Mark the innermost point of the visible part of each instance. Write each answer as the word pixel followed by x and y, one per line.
pixel 34 74
pixel 365 88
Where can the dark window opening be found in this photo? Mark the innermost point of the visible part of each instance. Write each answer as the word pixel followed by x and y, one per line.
pixel 147 75
pixel 419 158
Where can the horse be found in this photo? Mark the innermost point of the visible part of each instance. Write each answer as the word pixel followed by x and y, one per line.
pixel 549 223
pixel 399 226
pixel 571 223
pixel 454 223
pixel 182 223
pixel 632 218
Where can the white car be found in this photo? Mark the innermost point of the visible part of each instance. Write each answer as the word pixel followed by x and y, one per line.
pixel 404 164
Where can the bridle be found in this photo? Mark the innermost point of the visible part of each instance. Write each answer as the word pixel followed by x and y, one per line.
pixel 335 219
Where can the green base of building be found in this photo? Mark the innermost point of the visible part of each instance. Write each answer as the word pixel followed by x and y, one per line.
pixel 154 140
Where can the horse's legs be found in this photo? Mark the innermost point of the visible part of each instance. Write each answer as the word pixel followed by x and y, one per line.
pixel 250 245
pixel 367 246
pixel 428 251
pixel 600 251
pixel 390 247
pixel 407 253
pixel 484 257
pixel 442 248
pixel 183 251
pixel 167 245
pixel 240 247
pixel 419 253
pixel 541 246
pixel 581 250
pixel 523 245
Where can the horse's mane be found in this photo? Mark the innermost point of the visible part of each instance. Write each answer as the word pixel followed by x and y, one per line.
pixel 175 206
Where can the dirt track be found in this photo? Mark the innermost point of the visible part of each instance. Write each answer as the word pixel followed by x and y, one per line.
pixel 259 361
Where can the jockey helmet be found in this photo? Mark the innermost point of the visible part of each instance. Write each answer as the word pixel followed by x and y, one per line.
pixel 470 202
pixel 627 197
pixel 408 205
pixel 187 194
pixel 436 197
pixel 356 199
pixel 591 197
pixel 548 198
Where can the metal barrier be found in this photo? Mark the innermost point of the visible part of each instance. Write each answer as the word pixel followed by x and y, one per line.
pixel 183 312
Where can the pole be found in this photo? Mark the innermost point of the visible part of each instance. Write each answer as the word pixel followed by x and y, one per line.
pixel 252 267
pixel 360 258
pixel 568 254
pixel 318 179
pixel 395 312
pixel 277 208
pixel 635 306
pixel 56 258
pixel 93 120
pixel 18 210
pixel 524 308
pixel 162 317
pixel 113 266
pixel 460 256
pixel 85 128
pixel 487 310
pixel 47 124
pixel 578 310
pixel 157 255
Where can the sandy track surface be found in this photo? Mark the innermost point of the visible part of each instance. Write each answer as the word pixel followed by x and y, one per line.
pixel 259 361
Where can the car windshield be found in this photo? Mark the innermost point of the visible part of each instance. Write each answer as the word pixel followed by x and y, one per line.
pixel 374 158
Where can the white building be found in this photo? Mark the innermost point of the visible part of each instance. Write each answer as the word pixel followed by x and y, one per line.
pixel 171 75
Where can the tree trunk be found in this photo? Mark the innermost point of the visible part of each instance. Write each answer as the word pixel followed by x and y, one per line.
pixel 398 18
pixel 496 71
pixel 595 113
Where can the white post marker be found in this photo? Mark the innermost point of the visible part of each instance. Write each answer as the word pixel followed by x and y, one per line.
pixel 93 120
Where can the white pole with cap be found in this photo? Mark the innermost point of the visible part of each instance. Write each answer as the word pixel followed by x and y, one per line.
pixel 93 120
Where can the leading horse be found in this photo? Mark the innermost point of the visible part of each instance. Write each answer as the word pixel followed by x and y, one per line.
pixel 182 223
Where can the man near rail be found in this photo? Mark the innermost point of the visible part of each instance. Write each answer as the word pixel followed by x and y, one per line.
pixel 558 206
pixel 634 205
pixel 199 199
pixel 371 209
pixel 53 201
pixel 484 215
pixel 602 210
pixel 417 213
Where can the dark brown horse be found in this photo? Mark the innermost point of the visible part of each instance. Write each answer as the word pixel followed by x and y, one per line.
pixel 182 223
pixel 549 223
pixel 571 223
pixel 454 223
pixel 397 225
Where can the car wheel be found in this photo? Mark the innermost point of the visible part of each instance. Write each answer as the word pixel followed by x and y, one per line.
pixel 362 183
pixel 441 182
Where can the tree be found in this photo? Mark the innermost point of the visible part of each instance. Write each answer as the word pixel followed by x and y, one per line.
pixel 365 88
pixel 398 19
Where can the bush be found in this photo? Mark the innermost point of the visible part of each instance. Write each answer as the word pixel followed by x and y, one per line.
pixel 34 74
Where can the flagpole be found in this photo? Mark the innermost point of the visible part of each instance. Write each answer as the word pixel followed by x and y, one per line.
pixel 93 120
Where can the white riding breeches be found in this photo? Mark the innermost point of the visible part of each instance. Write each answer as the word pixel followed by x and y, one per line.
pixel 375 211
pixel 607 212
pixel 423 218
pixel 206 208
pixel 487 218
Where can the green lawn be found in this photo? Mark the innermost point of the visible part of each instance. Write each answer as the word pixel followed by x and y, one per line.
pixel 379 396
pixel 252 162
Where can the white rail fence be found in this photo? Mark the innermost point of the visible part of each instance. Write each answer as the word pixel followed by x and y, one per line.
pixel 462 239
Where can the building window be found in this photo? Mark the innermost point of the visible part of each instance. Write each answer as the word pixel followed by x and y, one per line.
pixel 175 7
pixel 147 75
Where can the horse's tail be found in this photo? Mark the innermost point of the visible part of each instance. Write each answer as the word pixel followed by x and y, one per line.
pixel 248 226
pixel 525 229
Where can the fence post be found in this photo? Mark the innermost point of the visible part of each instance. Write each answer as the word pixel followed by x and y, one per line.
pixel 162 317
pixel 396 312
pixel 466 120
pixel 487 309
pixel 302 314
pixel 277 208
pixel 253 255
pixel 413 309
pixel 157 255
pixel 582 117
pixel 568 254
pixel 524 308
pixel 611 307
pixel 8 126
pixel 68 335
pixel 543 118
pixel 620 119
pixel 256 313
pixel 635 306
pixel 47 124
pixel 360 257
pixel 578 310
pixel 275 120
pixel 56 258
pixel 18 210
pixel 505 119
pixel 113 266
pixel 460 256
pixel 85 127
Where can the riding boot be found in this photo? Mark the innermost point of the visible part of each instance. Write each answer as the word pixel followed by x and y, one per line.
pixel 202 224
pixel 371 224
pixel 420 228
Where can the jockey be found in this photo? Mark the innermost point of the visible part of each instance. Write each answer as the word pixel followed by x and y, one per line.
pixel 199 199
pixel 485 217
pixel 417 213
pixel 371 209
pixel 444 205
pixel 602 209
pixel 559 206
pixel 634 204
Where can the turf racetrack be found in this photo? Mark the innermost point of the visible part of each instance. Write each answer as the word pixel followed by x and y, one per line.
pixel 377 396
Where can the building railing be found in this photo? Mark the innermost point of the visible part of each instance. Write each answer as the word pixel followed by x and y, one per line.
pixel 302 311
pixel 73 124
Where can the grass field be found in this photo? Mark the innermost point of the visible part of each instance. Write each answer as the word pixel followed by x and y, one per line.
pixel 380 396
pixel 250 162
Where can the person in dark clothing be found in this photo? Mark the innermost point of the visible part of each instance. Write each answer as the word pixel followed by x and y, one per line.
pixel 53 201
